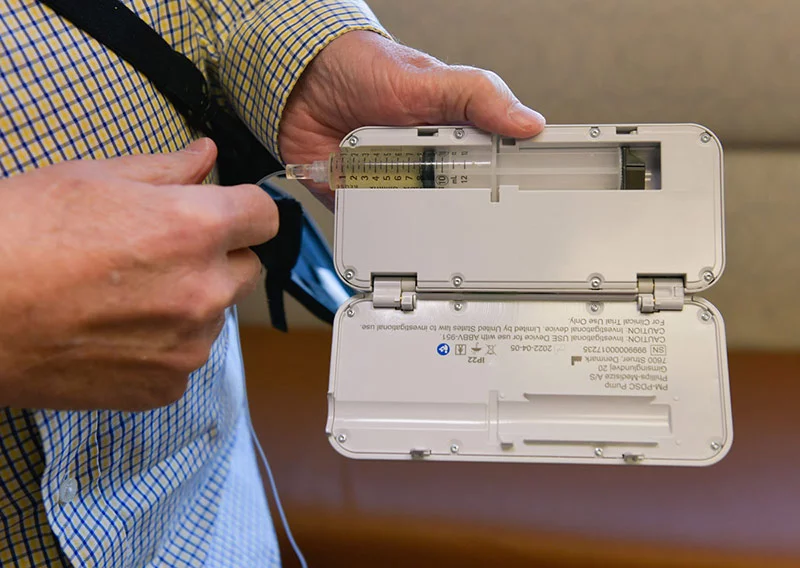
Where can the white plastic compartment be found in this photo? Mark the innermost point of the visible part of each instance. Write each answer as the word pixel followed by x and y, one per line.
pixel 537 381
pixel 548 279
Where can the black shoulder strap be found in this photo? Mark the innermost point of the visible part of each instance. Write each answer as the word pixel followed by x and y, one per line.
pixel 241 157
pixel 111 23
pixel 114 25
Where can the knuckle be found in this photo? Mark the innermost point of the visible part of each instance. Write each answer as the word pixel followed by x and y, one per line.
pixel 195 352
pixel 205 304
pixel 480 78
pixel 251 277
pixel 162 387
pixel 152 166
pixel 163 167
pixel 194 357
pixel 174 385
pixel 256 267
pixel 251 191
pixel 412 59
pixel 419 61
pixel 193 225
pixel 488 80
pixel 209 220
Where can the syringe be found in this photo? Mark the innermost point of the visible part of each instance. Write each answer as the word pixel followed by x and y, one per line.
pixel 583 168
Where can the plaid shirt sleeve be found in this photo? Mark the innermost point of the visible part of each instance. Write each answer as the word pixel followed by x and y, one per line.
pixel 268 50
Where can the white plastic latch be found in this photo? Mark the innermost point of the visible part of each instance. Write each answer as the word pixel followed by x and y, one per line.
pixel 657 294
pixel 398 292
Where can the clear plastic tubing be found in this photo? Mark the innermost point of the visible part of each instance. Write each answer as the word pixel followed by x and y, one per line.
pixel 596 168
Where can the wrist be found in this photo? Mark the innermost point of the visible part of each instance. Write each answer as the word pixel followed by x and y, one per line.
pixel 270 50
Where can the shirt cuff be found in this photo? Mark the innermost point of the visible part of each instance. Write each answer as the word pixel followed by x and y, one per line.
pixel 270 49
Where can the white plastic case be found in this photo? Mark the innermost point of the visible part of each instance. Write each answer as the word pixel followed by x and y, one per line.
pixel 544 325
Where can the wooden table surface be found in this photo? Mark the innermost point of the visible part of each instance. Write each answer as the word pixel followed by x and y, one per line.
pixel 745 511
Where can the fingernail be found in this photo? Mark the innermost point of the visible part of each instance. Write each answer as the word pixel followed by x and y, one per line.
pixel 199 146
pixel 525 117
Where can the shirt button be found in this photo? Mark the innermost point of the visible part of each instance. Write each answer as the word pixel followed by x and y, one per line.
pixel 68 490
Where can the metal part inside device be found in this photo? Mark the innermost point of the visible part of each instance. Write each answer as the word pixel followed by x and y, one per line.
pixel 544 307
pixel 528 166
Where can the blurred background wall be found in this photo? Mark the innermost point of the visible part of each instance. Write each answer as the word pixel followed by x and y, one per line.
pixel 731 66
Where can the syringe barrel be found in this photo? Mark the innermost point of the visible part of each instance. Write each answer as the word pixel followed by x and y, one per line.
pixel 409 167
pixel 582 168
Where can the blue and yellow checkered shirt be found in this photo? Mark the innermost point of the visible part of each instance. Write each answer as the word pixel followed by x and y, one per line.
pixel 175 486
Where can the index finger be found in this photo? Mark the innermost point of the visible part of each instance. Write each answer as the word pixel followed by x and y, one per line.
pixel 244 215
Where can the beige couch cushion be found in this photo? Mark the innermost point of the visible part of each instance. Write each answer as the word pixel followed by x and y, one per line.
pixel 733 66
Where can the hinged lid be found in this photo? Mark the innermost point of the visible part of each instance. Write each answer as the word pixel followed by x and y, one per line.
pixel 586 219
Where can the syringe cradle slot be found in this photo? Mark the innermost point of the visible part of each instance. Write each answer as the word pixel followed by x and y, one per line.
pixel 528 340
pixel 489 163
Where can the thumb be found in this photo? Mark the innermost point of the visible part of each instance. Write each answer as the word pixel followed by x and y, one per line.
pixel 188 166
pixel 482 98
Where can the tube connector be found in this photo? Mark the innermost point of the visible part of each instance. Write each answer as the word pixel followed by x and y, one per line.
pixel 315 171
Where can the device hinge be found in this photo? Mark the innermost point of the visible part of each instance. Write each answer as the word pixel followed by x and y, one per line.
pixel 398 292
pixel 657 294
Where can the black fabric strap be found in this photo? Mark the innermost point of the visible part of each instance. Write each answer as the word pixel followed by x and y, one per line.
pixel 241 157
pixel 279 256
pixel 114 25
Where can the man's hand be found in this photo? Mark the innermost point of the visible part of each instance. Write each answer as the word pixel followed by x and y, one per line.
pixel 115 275
pixel 364 79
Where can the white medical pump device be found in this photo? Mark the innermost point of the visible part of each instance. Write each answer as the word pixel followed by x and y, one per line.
pixel 529 300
